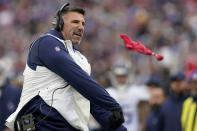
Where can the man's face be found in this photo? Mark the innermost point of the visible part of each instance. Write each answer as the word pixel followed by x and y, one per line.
pixel 193 86
pixel 73 27
pixel 179 86
pixel 121 79
pixel 157 96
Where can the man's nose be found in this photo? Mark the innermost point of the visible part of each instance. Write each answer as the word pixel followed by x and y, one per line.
pixel 81 27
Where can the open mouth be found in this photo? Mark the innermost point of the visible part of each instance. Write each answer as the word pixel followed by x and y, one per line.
pixel 77 34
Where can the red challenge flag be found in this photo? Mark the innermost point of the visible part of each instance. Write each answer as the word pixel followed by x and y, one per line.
pixel 138 47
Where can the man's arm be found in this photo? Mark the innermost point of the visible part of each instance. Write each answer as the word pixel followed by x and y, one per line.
pixel 62 64
pixel 103 116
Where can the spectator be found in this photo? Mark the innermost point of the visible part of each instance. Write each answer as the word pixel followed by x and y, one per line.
pixel 132 98
pixel 153 82
pixel 9 98
pixel 165 25
pixel 157 99
pixel 188 117
pixel 169 119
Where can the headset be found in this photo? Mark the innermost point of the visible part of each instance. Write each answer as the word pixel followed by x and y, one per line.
pixel 59 22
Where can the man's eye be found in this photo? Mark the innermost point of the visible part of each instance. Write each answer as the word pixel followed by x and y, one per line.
pixel 75 21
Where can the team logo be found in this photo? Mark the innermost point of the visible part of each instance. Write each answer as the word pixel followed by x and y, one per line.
pixel 57 48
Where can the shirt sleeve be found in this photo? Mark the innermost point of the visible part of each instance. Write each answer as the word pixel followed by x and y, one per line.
pixel 60 62
pixel 101 116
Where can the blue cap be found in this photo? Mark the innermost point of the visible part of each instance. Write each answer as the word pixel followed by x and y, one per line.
pixel 193 76
pixel 177 76
pixel 153 81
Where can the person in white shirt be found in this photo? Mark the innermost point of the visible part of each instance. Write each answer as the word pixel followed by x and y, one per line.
pixel 129 96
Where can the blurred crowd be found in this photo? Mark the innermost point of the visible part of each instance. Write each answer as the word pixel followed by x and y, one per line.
pixel 168 27
pixel 165 26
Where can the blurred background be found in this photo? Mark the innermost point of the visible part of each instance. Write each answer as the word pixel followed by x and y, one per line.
pixel 168 27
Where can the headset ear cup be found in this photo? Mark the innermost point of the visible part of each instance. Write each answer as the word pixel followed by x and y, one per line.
pixel 61 23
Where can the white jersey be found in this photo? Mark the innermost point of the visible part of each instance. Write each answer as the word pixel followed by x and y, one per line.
pixel 129 100
pixel 35 82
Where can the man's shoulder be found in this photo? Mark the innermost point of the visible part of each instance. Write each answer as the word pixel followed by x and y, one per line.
pixel 188 100
pixel 46 39
pixel 168 103
pixel 13 89
pixel 138 89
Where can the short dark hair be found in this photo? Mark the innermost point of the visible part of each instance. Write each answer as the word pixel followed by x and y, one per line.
pixel 74 9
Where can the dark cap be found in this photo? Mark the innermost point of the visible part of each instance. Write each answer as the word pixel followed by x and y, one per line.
pixel 193 76
pixel 177 76
pixel 153 81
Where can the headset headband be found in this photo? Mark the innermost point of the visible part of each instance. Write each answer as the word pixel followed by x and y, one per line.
pixel 59 23
pixel 64 7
